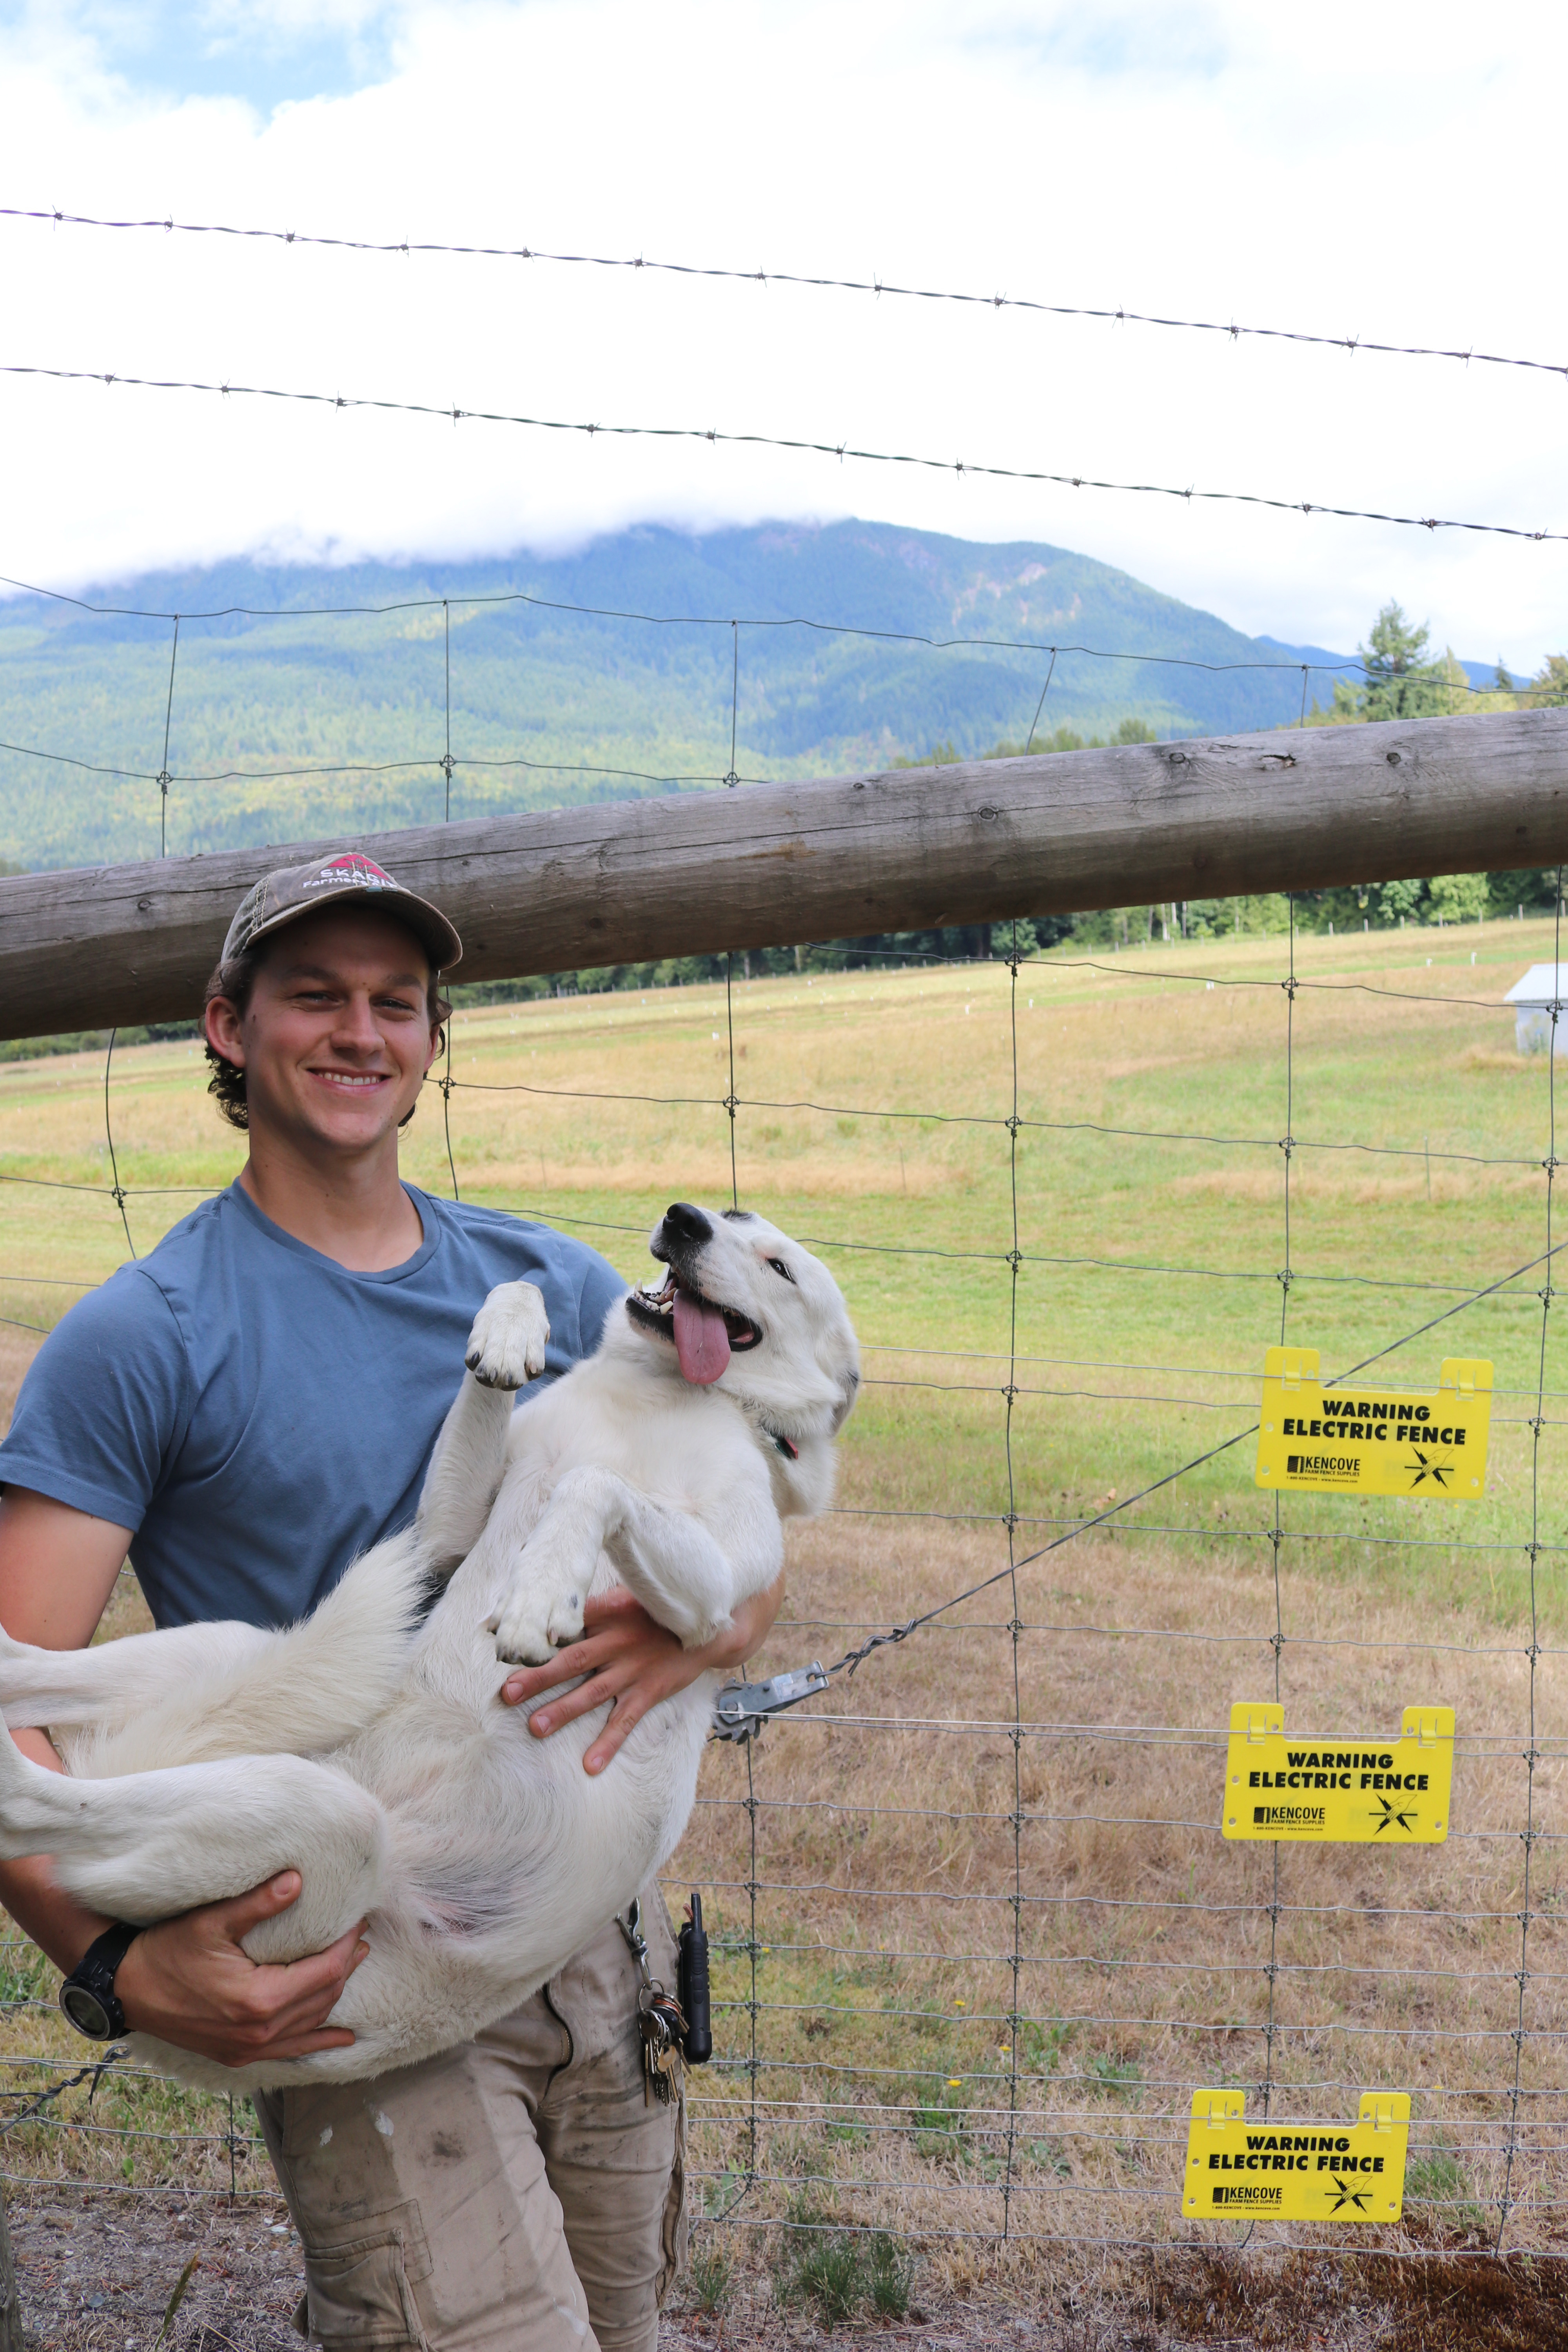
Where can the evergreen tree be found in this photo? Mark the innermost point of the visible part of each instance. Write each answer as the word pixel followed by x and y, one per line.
pixel 1401 682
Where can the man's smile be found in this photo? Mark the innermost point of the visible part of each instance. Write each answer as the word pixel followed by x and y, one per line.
pixel 354 1078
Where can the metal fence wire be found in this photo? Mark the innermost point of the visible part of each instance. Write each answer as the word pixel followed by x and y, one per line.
pixel 880 287
pixel 977 1938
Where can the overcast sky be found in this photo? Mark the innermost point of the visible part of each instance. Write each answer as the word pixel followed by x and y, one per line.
pixel 1388 173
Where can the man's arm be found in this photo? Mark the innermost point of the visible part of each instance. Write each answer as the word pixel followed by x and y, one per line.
pixel 187 1980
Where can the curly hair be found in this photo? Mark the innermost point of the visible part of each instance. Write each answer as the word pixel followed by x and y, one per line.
pixel 235 980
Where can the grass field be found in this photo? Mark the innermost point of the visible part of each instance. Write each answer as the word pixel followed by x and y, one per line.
pixel 903 1827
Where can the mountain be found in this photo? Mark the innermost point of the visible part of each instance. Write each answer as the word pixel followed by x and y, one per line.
pixel 619 676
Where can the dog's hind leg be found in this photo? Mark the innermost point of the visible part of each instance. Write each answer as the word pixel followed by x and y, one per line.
pixel 151 1844
pixel 506 1350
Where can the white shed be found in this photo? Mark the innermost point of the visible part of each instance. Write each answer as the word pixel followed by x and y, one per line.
pixel 1544 986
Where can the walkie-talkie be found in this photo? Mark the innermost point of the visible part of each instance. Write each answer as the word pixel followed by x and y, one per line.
pixel 691 1977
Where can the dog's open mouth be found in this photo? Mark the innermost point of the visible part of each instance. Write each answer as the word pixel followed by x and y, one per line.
pixel 705 1334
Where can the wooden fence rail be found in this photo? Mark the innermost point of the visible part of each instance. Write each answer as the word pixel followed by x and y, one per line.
pixel 773 865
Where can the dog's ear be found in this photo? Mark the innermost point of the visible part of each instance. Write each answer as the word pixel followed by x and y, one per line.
pixel 845 1403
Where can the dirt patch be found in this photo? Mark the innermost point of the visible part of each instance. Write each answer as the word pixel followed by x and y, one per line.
pixel 1367 2301
pixel 95 2272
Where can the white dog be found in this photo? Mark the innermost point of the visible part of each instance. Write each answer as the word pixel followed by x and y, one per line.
pixel 371 1751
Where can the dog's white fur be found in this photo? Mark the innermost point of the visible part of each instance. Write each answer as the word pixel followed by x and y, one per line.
pixel 372 1752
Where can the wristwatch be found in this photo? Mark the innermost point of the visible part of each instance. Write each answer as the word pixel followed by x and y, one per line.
pixel 88 1996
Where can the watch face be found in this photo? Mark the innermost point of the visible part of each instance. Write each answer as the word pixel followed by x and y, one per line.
pixel 86 2012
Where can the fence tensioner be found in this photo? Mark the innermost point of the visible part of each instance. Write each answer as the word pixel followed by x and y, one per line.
pixel 741 1709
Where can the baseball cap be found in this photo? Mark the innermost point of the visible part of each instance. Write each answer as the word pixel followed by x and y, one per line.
pixel 348 875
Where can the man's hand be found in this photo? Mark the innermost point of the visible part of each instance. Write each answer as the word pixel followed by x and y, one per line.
pixel 626 1657
pixel 189 1981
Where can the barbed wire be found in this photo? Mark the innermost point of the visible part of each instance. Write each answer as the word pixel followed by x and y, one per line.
pixel 92 2075
pixel 799 445
pixel 876 286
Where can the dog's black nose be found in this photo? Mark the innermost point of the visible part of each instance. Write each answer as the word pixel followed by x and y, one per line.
pixel 682 1223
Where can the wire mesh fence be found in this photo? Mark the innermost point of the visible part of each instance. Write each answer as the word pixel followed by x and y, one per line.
pixel 977 1935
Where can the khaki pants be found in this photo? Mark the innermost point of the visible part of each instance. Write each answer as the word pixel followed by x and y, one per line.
pixel 514 2192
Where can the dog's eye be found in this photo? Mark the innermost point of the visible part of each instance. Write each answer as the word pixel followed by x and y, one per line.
pixel 779 1267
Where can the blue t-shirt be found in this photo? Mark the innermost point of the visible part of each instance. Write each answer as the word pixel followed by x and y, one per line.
pixel 257 1414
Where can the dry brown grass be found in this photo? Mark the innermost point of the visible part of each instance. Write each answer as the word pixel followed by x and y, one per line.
pixel 886 1977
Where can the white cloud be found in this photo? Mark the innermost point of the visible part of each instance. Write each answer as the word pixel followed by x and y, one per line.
pixel 1375 172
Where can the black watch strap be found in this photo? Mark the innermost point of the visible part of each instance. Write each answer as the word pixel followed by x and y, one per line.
pixel 88 1996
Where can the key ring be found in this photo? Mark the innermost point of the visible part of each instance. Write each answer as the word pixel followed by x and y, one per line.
pixel 661 2022
pixel 630 1925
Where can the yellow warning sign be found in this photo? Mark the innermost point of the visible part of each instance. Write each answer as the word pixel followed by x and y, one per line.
pixel 1360 1793
pixel 1296 2173
pixel 1350 1439
pixel 1337 1792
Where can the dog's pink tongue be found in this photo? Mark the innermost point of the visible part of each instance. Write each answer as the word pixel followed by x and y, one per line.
pixel 702 1342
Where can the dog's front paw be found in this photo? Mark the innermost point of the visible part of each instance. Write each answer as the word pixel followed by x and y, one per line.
pixel 521 1637
pixel 506 1346
pixel 529 1635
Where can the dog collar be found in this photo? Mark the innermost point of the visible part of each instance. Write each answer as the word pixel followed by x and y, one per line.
pixel 776 1437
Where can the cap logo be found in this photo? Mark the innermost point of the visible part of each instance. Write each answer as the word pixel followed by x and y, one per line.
pixel 282 896
pixel 354 867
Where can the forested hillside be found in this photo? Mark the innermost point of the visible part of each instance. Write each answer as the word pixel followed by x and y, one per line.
pixel 551 705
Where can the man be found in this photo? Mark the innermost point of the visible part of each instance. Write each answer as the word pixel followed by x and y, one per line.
pixel 247 1409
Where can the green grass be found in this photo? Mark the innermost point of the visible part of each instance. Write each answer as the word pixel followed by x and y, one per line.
pixel 1117 2076
pixel 709 2275
pixel 839 2273
pixel 1436 2176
